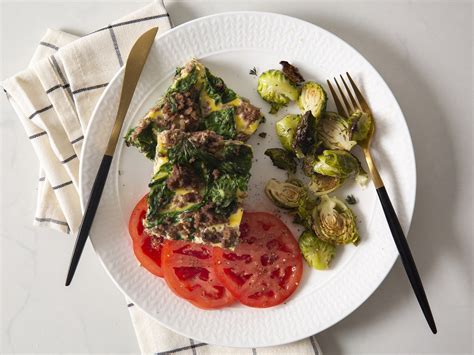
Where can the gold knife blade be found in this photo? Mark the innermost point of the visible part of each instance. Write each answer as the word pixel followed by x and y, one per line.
pixel 133 69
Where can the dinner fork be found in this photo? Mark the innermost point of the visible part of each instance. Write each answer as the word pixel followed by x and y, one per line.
pixel 404 250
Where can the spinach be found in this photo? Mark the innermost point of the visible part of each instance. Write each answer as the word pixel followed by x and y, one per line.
pixel 223 193
pixel 145 141
pixel 237 159
pixel 217 89
pixel 159 196
pixel 184 152
pixel 184 84
pixel 222 122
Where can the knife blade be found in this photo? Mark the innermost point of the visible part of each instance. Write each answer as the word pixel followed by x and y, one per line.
pixel 133 68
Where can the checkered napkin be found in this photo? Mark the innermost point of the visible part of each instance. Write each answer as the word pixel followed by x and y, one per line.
pixel 54 99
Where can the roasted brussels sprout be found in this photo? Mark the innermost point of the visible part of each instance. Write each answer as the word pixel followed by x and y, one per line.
pixel 284 194
pixel 334 221
pixel 312 98
pixel 317 253
pixel 304 140
pixel 361 124
pixel 337 163
pixel 286 130
pixel 304 211
pixel 282 159
pixel 275 88
pixel 334 131
pixel 323 184
pixel 341 164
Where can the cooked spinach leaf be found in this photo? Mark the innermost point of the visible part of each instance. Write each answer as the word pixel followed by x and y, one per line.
pixel 222 122
pixel 223 193
pixel 236 159
pixel 217 89
pixel 145 140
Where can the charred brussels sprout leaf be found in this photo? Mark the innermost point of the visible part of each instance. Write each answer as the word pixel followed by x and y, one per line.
pixel 291 72
pixel 284 194
pixel 304 140
pixel 334 221
pixel 334 131
pixel 312 98
pixel 317 253
pixel 282 159
pixel 286 130
pixel 222 122
pixel 323 184
pixel 361 125
pixel 275 88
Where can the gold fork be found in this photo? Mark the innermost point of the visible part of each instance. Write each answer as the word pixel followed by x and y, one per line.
pixel 390 215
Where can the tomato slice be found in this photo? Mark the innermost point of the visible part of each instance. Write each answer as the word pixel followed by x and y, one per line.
pixel 189 273
pixel 147 250
pixel 266 267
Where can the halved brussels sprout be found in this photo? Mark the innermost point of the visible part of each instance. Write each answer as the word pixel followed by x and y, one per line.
pixel 282 159
pixel 275 88
pixel 286 130
pixel 337 163
pixel 341 164
pixel 317 253
pixel 284 194
pixel 323 184
pixel 312 98
pixel 361 125
pixel 334 131
pixel 334 221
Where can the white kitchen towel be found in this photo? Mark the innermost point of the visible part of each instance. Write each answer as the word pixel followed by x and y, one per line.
pixel 54 98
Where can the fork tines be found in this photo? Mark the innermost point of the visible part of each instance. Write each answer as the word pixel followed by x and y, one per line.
pixel 348 108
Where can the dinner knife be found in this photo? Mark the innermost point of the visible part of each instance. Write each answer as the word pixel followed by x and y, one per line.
pixel 133 69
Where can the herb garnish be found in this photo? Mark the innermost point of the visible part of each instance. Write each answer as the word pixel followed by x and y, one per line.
pixel 351 200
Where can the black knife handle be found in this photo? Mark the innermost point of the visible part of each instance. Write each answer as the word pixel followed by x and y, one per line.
pixel 406 257
pixel 89 215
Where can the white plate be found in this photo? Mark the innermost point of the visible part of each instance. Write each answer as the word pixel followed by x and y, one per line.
pixel 230 44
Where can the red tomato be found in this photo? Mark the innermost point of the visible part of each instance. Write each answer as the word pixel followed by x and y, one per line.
pixel 266 267
pixel 188 271
pixel 147 254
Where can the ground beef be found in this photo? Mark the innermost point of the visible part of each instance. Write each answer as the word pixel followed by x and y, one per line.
pixel 183 176
pixel 208 140
pixel 206 216
pixel 242 137
pixel 292 72
pixel 143 124
pixel 248 112
pixel 181 111
pixel 182 200
pixel 171 137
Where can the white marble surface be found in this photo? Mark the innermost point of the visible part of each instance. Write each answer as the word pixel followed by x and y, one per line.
pixel 422 49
